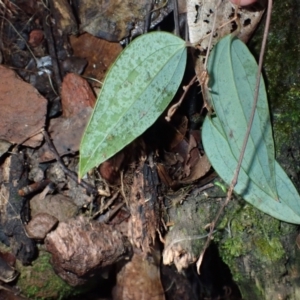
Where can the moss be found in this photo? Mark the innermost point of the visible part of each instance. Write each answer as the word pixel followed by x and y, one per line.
pixel 281 67
pixel 269 249
pixel 39 281
pixel 251 232
pixel 233 247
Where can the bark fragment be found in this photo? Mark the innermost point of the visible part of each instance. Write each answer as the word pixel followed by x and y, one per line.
pixel 144 208
pixel 11 208
pixel 80 248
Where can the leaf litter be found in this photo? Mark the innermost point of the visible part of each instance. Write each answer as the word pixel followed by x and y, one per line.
pixel 162 166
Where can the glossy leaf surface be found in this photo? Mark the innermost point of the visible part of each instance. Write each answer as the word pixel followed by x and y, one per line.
pixel 137 89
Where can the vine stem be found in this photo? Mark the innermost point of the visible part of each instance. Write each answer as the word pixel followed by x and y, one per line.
pixel 175 106
pixel 250 122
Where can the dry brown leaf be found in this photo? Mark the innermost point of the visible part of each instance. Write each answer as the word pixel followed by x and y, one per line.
pixel 200 16
pixel 198 169
pixel 99 53
pixel 76 94
pixel 23 110
pixel 66 134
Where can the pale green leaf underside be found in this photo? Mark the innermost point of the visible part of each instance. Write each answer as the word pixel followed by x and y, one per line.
pixel 137 89
pixel 261 182
pixel 232 70
pixel 220 155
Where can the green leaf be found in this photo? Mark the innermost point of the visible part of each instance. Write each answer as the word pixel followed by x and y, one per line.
pixel 261 181
pixel 137 89
pixel 232 70
pixel 220 155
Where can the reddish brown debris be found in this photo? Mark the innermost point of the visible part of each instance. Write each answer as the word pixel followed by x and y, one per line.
pixel 36 36
pixel 184 164
pixel 34 187
pixel 110 169
pixel 66 134
pixel 76 94
pixel 23 110
pixel 9 258
pixel 99 53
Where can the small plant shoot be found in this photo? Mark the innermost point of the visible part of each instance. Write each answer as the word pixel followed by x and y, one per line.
pixel 137 89
pixel 261 182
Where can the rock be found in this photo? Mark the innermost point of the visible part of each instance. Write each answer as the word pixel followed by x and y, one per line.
pixel 40 225
pixel 59 206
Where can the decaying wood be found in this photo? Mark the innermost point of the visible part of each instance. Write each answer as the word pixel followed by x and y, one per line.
pixel 64 17
pixel 144 208
pixel 188 235
pixel 139 279
pixel 81 248
pixel 11 207
pixel 116 20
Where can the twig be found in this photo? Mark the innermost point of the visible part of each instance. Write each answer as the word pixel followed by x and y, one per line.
pixel 21 37
pixel 170 286
pixel 237 170
pixel 175 106
pixel 110 213
pixel 52 51
pixel 40 131
pixel 90 189
pixel 108 216
pixel 188 238
pixel 211 34
pixel 197 191
pixel 148 17
pixel 122 190
pixel 34 187
pixel 204 77
pixel 176 17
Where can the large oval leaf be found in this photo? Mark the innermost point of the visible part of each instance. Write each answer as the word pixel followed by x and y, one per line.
pixel 137 89
pixel 221 157
pixel 261 180
pixel 232 70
